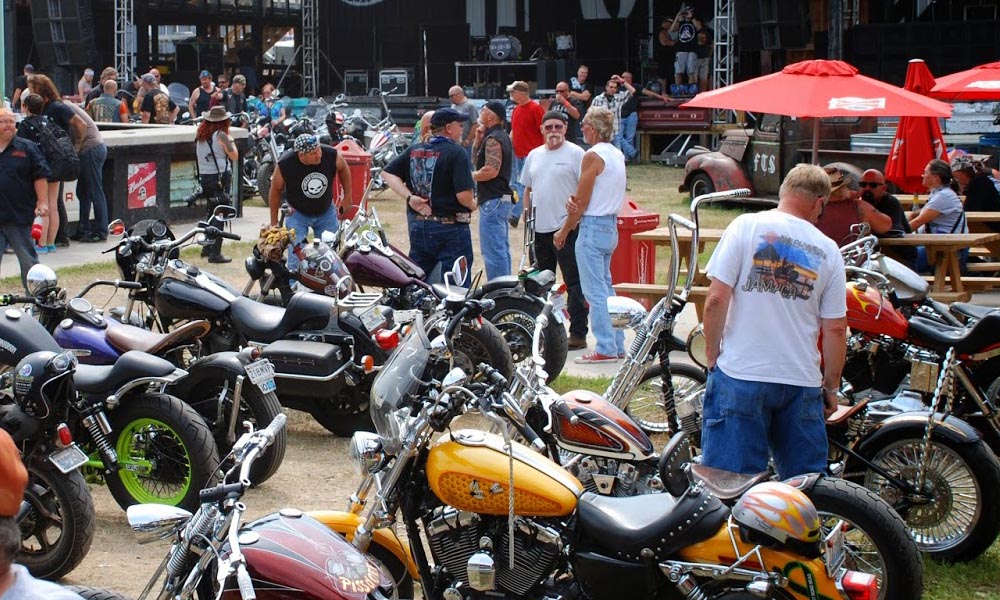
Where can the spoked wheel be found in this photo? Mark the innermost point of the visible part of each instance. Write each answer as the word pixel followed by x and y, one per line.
pixel 960 520
pixel 483 344
pixel 515 318
pixel 59 527
pixel 646 404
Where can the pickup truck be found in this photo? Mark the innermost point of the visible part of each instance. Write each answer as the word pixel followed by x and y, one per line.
pixel 759 158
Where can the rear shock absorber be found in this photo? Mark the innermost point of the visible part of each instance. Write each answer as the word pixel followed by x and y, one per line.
pixel 99 428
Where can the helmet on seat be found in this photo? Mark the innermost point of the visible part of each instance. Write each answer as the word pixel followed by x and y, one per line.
pixel 776 513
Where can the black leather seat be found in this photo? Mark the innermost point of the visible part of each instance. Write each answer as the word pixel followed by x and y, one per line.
pixel 658 522
pixel 262 323
pixel 974 311
pixel 966 340
pixel 100 379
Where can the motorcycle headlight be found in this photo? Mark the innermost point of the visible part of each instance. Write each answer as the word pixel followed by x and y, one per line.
pixel 366 451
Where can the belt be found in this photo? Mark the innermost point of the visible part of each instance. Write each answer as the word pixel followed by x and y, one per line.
pixel 456 218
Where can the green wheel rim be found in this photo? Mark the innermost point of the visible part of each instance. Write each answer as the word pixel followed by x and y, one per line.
pixel 154 464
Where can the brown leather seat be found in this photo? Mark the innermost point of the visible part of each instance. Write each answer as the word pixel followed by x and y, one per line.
pixel 727 485
pixel 128 337
pixel 843 413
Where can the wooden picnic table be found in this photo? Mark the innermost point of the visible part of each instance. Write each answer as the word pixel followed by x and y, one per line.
pixel 942 250
pixel 661 237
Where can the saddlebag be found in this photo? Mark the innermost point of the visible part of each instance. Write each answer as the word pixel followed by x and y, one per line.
pixel 305 369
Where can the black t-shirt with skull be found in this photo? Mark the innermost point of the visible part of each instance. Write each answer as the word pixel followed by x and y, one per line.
pixel 309 187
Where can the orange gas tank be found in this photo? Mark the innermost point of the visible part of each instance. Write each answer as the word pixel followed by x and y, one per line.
pixel 470 471
pixel 870 312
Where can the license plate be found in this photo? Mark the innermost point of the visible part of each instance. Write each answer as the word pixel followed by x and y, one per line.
pixel 372 317
pixel 261 374
pixel 68 459
pixel 833 549
pixel 559 309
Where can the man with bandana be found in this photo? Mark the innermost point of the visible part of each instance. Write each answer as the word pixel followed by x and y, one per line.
pixel 305 175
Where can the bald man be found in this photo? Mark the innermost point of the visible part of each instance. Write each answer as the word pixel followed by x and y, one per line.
pixel 463 105
pixel 875 192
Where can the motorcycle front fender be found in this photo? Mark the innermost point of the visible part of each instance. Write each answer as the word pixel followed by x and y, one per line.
pixel 207 369
pixel 346 523
pixel 949 428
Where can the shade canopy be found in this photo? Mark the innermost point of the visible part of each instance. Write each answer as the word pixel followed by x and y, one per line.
pixel 917 140
pixel 978 84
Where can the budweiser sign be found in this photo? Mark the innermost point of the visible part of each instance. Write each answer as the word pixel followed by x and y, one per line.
pixel 856 104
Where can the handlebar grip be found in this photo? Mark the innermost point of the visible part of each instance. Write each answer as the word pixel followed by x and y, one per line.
pixel 245 583
pixel 129 285
pixel 529 434
pixel 494 375
pixel 229 236
pixel 219 492
pixel 563 409
pixel 8 299
pixel 276 425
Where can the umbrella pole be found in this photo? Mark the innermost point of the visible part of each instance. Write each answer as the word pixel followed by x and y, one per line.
pixel 815 157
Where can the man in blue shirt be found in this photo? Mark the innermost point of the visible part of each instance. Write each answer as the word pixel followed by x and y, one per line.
pixel 23 192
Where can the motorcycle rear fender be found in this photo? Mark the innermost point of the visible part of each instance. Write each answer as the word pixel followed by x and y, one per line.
pixel 346 523
pixel 952 429
pixel 207 368
pixel 726 173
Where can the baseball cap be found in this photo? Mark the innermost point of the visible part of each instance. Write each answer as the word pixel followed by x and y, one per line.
pixel 496 107
pixel 520 86
pixel 13 476
pixel 205 74
pixel 443 116
pixel 306 142
pixel 149 78
pixel 555 114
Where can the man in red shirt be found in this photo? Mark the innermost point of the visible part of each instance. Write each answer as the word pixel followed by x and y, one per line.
pixel 526 135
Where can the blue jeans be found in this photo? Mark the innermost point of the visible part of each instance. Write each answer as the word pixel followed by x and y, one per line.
pixel 19 238
pixel 494 239
pixel 745 421
pixel 301 223
pixel 515 184
pixel 628 127
pixel 90 190
pixel 597 239
pixel 434 244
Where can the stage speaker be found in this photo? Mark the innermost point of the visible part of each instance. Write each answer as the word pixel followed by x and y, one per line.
pixel 64 32
pixel 550 72
pixel 772 24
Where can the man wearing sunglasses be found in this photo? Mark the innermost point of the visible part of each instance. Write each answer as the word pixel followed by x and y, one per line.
pixel 845 210
pixel 875 192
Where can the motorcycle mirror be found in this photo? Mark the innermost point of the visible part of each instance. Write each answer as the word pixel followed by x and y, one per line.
pixel 152 522
pixel 41 278
pixel 116 227
pixel 460 270
pixel 455 376
pixel 625 312
pixel 224 212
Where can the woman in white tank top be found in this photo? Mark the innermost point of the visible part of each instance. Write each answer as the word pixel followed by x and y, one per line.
pixel 599 197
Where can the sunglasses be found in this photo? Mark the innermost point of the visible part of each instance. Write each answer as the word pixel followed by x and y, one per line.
pixel 870 184
pixel 554 127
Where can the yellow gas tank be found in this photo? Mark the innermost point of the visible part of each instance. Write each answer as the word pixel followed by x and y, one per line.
pixel 470 471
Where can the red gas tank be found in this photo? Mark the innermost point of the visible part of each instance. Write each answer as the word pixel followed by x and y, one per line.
pixel 868 311
pixel 602 429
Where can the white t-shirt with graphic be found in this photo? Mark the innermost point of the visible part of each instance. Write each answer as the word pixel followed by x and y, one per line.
pixel 552 176
pixel 786 276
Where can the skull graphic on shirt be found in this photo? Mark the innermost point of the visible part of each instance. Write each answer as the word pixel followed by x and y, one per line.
pixel 314 185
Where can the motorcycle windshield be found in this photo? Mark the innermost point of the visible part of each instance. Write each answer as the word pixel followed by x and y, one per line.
pixel 399 378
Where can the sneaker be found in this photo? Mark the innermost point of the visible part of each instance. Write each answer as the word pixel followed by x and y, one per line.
pixel 576 342
pixel 79 236
pixel 41 249
pixel 62 243
pixel 593 358
pixel 51 248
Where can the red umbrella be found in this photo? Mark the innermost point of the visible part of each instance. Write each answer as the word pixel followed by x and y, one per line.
pixel 918 139
pixel 978 84
pixel 820 88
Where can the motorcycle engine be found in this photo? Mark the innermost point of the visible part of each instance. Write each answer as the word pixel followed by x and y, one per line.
pixel 875 364
pixel 454 536
pixel 610 477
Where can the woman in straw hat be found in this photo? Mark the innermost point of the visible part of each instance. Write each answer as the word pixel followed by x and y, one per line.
pixel 214 149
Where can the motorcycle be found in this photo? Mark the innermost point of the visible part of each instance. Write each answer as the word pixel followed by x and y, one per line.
pixel 215 555
pixel 502 521
pixel 56 517
pixel 321 349
pixel 148 445
pixel 226 388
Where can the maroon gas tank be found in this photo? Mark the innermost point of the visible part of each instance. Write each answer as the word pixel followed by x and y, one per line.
pixel 602 429
pixel 375 269
pixel 290 555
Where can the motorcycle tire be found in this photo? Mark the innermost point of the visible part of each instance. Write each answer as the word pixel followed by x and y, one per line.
pixel 91 593
pixel 644 405
pixel 515 318
pixel 59 528
pixel 483 344
pixel 257 407
pixel 184 457
pixel 956 471
pixel 396 568
pixel 264 174
pixel 876 540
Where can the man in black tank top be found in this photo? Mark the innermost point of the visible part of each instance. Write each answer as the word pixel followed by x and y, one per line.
pixel 305 175
pixel 493 160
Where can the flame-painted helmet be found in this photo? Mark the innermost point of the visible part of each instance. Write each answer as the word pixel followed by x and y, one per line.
pixel 779 513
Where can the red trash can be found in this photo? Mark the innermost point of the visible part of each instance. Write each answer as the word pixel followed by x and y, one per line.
pixel 359 161
pixel 634 261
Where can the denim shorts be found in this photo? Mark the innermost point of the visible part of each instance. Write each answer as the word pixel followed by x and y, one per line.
pixel 745 422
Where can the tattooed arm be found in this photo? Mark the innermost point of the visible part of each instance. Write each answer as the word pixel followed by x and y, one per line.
pixel 494 159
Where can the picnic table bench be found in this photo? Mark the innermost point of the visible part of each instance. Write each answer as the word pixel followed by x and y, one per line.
pixel 947 283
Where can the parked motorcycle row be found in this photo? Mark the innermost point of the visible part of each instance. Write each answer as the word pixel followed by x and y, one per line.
pixel 563 495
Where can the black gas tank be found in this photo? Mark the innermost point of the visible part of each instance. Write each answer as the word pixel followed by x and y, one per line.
pixel 20 335
pixel 176 299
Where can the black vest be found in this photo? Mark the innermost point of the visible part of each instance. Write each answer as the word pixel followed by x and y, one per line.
pixel 499 185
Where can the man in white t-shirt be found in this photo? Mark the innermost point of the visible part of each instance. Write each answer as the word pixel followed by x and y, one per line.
pixel 550 175
pixel 777 283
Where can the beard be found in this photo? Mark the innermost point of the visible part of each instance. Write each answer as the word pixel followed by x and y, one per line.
pixel 554 140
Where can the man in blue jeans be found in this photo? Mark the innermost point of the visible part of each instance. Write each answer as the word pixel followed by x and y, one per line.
pixel 492 155
pixel 435 178
pixel 777 282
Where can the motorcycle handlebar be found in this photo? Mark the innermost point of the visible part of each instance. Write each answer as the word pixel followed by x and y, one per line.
pixel 245 583
pixel 8 299
pixel 118 283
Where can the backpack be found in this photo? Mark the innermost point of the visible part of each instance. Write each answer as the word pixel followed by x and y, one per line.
pixel 56 145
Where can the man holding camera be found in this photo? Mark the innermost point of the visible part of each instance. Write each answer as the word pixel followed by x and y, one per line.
pixel 684 31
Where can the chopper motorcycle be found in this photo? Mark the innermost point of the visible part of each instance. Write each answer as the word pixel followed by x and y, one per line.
pixel 214 554
pixel 502 521
pixel 148 445
pixel 226 388
pixel 318 347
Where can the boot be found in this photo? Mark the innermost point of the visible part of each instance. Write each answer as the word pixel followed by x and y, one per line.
pixel 215 253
